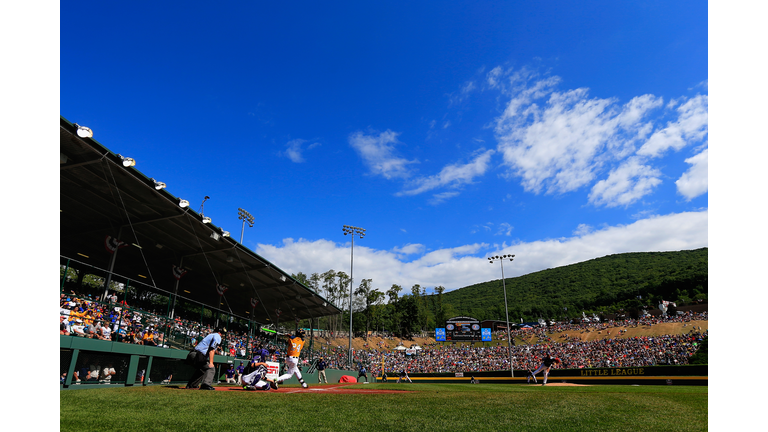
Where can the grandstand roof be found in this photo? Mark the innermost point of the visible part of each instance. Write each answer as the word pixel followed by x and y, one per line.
pixel 99 198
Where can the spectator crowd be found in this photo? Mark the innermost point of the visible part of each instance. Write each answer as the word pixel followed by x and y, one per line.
pixel 84 317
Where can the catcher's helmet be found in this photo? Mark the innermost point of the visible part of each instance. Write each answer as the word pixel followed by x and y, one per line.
pixel 262 355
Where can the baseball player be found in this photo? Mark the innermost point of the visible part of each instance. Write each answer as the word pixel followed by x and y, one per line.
pixel 546 365
pixel 257 379
pixel 256 373
pixel 295 344
pixel 362 372
pixel 404 376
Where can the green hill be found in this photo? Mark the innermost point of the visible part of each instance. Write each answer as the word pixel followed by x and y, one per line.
pixel 621 283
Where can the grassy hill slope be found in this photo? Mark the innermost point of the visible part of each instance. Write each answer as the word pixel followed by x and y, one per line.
pixel 625 281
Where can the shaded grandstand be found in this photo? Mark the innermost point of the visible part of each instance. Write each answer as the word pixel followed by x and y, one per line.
pixel 148 248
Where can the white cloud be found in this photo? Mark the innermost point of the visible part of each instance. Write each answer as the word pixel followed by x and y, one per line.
pixel 582 229
pixel 442 197
pixel 467 265
pixel 294 150
pixel 560 146
pixel 695 181
pixel 452 175
pixel 692 125
pixel 463 93
pixel 379 154
pixel 409 249
pixel 505 229
pixel 557 142
pixel 625 185
pixel 494 76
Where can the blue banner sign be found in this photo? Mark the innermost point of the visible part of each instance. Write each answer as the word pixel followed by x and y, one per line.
pixel 486 334
pixel 439 335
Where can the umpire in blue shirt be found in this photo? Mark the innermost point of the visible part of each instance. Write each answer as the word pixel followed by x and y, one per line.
pixel 321 365
pixel 204 368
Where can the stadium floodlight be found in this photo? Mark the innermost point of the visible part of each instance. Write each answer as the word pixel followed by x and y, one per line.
pixel 501 259
pixel 83 132
pixel 206 219
pixel 183 203
pixel 245 217
pixel 158 184
pixel 127 162
pixel 360 232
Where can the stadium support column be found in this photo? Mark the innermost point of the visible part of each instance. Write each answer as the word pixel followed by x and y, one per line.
pixel 176 291
pixel 111 266
pixel 501 259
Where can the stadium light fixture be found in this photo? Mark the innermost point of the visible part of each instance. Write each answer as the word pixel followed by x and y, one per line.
pixel 158 184
pixel 360 232
pixel 245 217
pixel 206 219
pixel 127 162
pixel 183 203
pixel 83 132
pixel 501 259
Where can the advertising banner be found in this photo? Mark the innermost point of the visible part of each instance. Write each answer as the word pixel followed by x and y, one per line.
pixel 486 333
pixel 273 370
pixel 440 335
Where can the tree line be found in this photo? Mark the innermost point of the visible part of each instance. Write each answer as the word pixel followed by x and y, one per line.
pixel 373 309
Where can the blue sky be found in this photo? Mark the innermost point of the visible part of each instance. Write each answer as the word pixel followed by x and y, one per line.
pixel 558 132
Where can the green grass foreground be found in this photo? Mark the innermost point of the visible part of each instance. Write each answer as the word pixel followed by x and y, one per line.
pixel 425 408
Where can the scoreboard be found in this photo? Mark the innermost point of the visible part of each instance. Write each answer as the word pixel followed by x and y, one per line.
pixel 463 329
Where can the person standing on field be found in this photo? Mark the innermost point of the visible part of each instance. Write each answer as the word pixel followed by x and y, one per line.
pixel 321 365
pixel 362 372
pixel 203 375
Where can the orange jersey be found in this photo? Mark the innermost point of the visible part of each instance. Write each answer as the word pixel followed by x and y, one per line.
pixel 295 345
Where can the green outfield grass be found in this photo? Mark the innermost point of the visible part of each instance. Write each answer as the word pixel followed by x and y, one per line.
pixel 426 408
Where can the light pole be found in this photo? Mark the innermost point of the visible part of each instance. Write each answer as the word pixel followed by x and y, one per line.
pixel 245 217
pixel 501 259
pixel 347 229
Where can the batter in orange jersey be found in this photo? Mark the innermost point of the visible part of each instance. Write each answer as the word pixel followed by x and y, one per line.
pixel 295 344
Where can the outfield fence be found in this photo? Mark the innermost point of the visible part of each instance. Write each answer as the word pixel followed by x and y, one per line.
pixel 648 375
